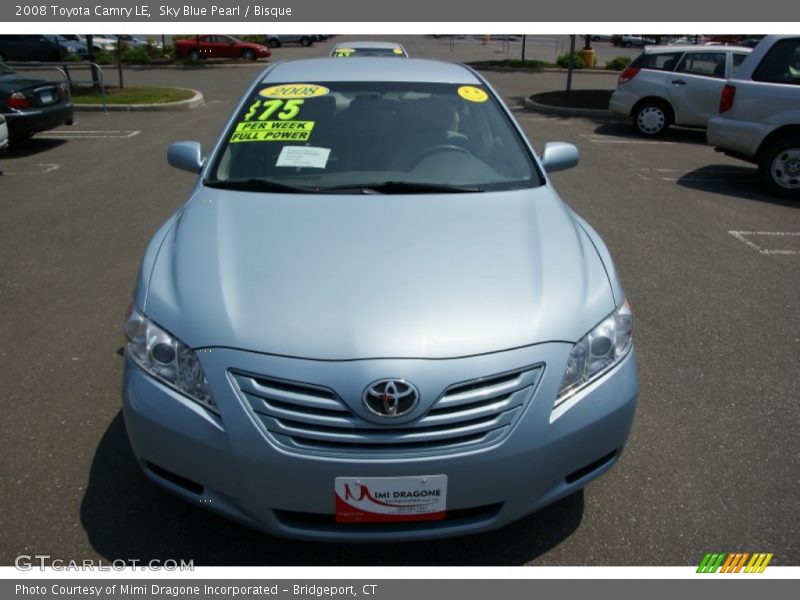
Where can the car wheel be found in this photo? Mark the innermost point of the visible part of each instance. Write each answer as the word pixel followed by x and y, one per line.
pixel 248 54
pixel 274 43
pixel 193 54
pixel 626 44
pixel 652 119
pixel 305 41
pixel 779 167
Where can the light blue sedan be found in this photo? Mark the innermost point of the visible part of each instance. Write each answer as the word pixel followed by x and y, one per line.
pixel 374 319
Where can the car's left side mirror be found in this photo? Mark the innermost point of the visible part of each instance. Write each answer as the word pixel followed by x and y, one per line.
pixel 558 156
pixel 187 156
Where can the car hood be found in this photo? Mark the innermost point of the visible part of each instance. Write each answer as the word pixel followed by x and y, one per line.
pixel 366 276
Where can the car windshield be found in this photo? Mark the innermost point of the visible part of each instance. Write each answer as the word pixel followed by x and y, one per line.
pixel 372 137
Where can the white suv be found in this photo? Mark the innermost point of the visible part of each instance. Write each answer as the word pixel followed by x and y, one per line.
pixel 674 84
pixel 760 114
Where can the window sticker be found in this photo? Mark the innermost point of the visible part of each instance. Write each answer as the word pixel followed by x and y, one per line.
pixel 283 110
pixel 272 131
pixel 343 52
pixel 397 51
pixel 294 90
pixel 303 156
pixel 473 94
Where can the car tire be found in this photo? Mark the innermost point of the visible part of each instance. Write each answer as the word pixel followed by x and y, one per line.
pixel 625 44
pixel 248 54
pixel 779 166
pixel 652 118
pixel 274 43
pixel 305 41
pixel 193 54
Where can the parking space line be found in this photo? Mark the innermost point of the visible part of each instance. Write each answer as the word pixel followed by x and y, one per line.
pixel 609 139
pixel 33 169
pixel 742 237
pixel 717 175
pixel 73 134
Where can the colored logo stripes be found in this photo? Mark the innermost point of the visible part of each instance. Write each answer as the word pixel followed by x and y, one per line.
pixel 734 562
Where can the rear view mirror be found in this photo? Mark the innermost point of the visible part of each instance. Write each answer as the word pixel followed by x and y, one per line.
pixel 187 156
pixel 558 156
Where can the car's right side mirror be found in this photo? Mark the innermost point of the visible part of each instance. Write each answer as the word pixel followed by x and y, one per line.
pixel 558 156
pixel 187 156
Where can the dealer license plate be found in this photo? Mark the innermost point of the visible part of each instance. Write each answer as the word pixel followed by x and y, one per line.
pixel 390 499
pixel 46 97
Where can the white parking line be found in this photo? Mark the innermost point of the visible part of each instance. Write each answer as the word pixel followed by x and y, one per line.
pixel 610 139
pixel 72 134
pixel 32 169
pixel 715 175
pixel 742 237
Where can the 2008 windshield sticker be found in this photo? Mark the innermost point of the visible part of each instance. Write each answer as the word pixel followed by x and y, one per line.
pixel 272 120
pixel 294 90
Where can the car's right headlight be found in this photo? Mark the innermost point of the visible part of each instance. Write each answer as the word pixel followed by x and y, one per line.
pixel 166 358
pixel 596 352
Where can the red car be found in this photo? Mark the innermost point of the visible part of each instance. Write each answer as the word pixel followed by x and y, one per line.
pixel 219 46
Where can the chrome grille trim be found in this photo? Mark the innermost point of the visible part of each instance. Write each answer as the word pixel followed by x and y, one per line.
pixel 314 419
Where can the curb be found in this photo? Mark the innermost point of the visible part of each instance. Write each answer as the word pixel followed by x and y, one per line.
pixel 193 102
pixel 571 112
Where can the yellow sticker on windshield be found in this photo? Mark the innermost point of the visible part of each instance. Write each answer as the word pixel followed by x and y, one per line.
pixel 294 90
pixel 272 131
pixel 473 94
pixel 342 52
pixel 397 51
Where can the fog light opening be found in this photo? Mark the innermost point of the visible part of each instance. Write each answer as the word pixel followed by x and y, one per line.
pixel 175 479
pixel 584 471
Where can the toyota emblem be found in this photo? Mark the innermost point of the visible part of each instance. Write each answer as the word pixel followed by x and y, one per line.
pixel 390 398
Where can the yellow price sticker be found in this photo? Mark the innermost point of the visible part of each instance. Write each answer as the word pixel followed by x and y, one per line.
pixel 294 90
pixel 473 94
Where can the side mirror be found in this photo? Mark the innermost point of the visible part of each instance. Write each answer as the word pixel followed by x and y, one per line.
pixel 187 156
pixel 558 156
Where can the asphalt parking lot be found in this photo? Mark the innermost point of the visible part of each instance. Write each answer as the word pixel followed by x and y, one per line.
pixel 709 261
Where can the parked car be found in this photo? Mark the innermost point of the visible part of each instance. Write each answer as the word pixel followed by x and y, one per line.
pixel 628 41
pixel 71 47
pixel 678 85
pixel 276 41
pixel 348 49
pixel 374 319
pixel 219 46
pixel 3 134
pixel 30 48
pixel 759 114
pixel 32 105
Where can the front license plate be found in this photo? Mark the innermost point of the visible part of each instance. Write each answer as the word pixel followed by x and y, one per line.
pixel 46 98
pixel 390 499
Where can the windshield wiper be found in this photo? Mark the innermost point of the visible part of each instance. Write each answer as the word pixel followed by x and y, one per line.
pixel 256 184
pixel 401 187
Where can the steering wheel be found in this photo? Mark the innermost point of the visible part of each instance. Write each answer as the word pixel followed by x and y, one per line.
pixel 440 148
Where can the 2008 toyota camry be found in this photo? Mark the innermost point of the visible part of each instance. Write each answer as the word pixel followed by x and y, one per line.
pixel 374 319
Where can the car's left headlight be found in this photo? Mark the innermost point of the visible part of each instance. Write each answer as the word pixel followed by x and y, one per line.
pixel 596 352
pixel 166 358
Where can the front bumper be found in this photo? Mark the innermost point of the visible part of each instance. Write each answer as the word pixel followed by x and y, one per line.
pixel 230 464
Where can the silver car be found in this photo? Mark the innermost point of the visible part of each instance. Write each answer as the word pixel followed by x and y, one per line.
pixel 678 85
pixel 374 319
pixel 759 118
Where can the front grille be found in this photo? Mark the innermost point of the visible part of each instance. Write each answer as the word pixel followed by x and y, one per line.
pixel 314 419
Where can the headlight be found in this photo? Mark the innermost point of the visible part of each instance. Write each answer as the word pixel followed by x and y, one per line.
pixel 167 359
pixel 599 350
